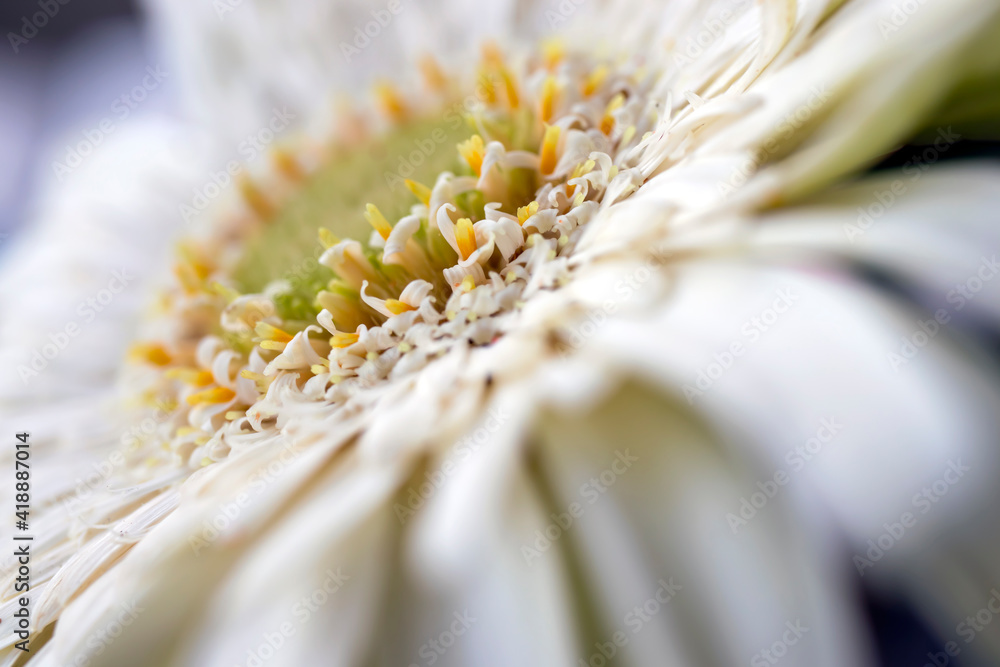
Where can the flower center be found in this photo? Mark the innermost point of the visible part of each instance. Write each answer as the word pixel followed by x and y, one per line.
pixel 470 210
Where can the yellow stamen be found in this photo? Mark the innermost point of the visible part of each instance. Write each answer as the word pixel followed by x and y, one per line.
pixel 193 376
pixel 234 414
pixel 526 212
pixel 343 339
pixel 206 462
pixel 378 221
pixel 271 332
pixel 255 199
pixel 549 144
pixel 489 89
pixel 553 53
pixel 420 191
pixel 595 80
pixel 434 77
pixel 578 171
pixel 318 369
pixel 287 164
pixel 390 103
pixel 510 88
pixel 327 238
pixel 465 237
pixel 492 56
pixel 227 293
pixel 468 284
pixel 150 353
pixel 473 152
pixel 628 134
pixel 608 121
pixel 397 307
pixel 547 104
pixel 275 345
pixel 213 395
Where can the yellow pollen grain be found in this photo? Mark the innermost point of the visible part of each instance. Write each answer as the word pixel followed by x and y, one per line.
pixel 404 347
pixel 327 238
pixel 371 356
pixel 213 395
pixel 255 199
pixel 595 80
pixel 550 142
pixel 340 340
pixel 234 414
pixel 434 76
pixel 465 237
pixel 287 164
pixel 468 284
pixel 608 121
pixel 150 353
pixel 390 103
pixel 271 332
pixel 510 88
pixel 193 376
pixel 420 191
pixel 553 53
pixel 547 102
pixel 206 462
pixel 473 151
pixel 526 212
pixel 378 221
pixel 397 307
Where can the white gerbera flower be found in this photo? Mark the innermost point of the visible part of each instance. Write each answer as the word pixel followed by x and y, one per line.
pixel 605 385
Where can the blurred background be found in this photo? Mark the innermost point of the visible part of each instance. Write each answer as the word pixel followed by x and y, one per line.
pixel 61 82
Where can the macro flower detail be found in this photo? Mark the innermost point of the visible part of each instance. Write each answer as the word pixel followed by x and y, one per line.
pixel 554 354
